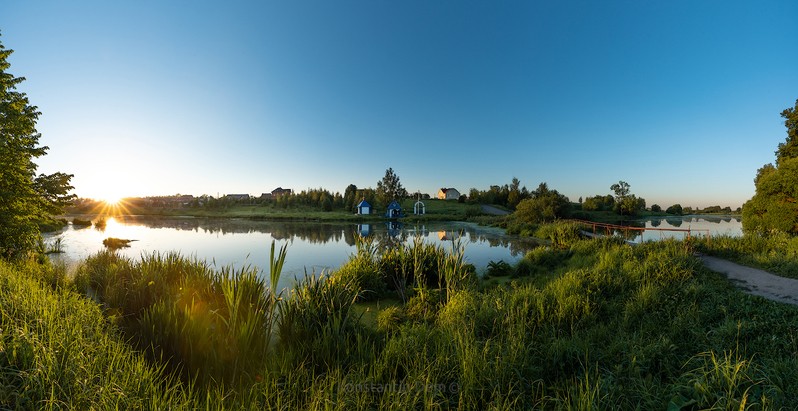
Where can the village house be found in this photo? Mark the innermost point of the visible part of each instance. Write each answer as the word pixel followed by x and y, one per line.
pixel 237 197
pixel 448 194
pixel 279 191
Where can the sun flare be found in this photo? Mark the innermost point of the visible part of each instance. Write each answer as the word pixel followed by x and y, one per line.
pixel 111 205
pixel 112 200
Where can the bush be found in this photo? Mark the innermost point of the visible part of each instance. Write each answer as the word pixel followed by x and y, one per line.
pixel 498 269
pixel 562 234
pixel 524 268
pixel 363 272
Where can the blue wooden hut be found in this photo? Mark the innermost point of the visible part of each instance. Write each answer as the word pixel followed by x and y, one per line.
pixel 394 210
pixel 364 208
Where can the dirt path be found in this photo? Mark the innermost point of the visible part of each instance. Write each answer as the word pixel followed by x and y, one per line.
pixel 755 281
pixel 487 209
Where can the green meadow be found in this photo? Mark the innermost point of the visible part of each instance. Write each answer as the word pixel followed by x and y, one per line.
pixel 579 324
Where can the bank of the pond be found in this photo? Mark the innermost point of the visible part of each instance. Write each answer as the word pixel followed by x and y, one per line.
pixel 434 210
pixel 583 324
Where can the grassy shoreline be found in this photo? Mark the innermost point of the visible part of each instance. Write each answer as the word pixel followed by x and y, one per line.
pixel 580 324
pixel 436 210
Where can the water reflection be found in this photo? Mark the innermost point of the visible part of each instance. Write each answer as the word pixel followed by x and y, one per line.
pixel 313 245
pixel 693 225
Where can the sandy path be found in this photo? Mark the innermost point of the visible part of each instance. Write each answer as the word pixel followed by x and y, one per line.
pixel 488 209
pixel 755 281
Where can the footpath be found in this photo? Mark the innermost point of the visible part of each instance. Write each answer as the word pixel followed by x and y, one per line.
pixel 755 281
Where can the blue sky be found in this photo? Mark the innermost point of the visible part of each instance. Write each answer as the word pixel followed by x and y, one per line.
pixel 679 98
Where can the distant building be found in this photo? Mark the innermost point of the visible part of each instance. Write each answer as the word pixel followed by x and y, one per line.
pixel 175 201
pixel 364 208
pixel 448 194
pixel 237 197
pixel 279 191
pixel 266 196
pixel 394 210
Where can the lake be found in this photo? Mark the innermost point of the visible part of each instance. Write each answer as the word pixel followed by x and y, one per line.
pixel 312 246
pixel 699 225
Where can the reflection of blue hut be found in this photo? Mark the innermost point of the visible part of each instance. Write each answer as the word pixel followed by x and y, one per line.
pixel 394 210
pixel 364 208
pixel 364 229
pixel 394 228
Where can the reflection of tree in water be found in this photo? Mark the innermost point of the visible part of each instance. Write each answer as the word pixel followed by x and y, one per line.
pixel 312 233
pixel 676 222
pixel 388 234
pixel 656 223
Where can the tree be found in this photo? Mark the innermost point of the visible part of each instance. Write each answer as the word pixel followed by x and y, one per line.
pixel 389 188
pixel 674 209
pixel 545 205
pixel 774 206
pixel 350 197
pixel 621 190
pixel 656 208
pixel 630 205
pixel 789 148
pixel 514 193
pixel 26 198
pixel 626 204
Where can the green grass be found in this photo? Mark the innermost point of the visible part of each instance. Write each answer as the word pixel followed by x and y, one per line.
pixel 588 324
pixel 58 351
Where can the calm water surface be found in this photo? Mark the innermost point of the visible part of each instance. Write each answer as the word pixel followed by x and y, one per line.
pixel 312 247
pixel 699 225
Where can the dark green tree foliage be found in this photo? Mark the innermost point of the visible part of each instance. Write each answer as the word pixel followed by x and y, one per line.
pixel 789 148
pixel 390 188
pixel 656 208
pixel 25 197
pixel 508 195
pixel 774 206
pixel 675 209
pixel 317 197
pixel 545 205
pixel 625 203
pixel 350 197
pixel 599 203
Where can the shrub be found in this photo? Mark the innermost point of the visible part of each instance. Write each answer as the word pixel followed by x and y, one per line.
pixel 562 234
pixel 498 269
pixel 362 270
pixel 524 268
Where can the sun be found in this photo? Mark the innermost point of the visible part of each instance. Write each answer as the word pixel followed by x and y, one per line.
pixel 111 205
pixel 112 200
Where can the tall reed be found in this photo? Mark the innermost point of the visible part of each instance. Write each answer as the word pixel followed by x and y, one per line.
pixel 211 325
